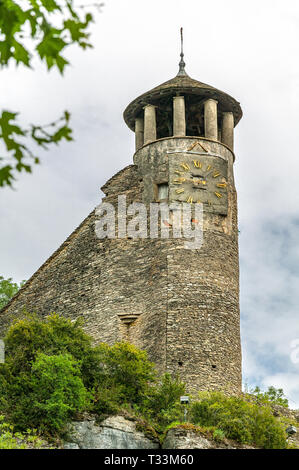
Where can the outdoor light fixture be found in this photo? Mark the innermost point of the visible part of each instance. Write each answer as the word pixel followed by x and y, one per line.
pixel 291 430
pixel 184 400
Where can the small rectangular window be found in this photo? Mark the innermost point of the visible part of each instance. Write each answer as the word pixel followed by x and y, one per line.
pixel 162 191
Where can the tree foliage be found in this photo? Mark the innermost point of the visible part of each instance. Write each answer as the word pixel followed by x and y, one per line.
pixel 54 335
pixel 8 289
pixel 273 396
pixel 42 29
pixel 15 440
pixel 57 391
pixel 239 419
pixel 127 367
pixel 52 370
pixel 162 405
pixel 44 380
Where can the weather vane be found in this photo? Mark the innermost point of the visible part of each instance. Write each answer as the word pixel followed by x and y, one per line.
pixel 182 63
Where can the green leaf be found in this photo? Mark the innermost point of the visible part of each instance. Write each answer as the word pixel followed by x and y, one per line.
pixel 67 116
pixel 61 63
pixel 50 5
pixel 21 54
pixel 53 25
pixel 50 46
pixel 6 176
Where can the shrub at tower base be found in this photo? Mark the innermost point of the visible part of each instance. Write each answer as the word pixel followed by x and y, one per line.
pixel 53 372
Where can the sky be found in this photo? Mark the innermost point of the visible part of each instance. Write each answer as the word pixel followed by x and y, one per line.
pixel 247 49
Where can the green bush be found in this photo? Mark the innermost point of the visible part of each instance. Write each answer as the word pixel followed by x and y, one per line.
pixel 48 396
pixel 245 422
pixel 126 371
pixel 53 349
pixel 218 435
pixel 54 335
pixel 113 375
pixel 3 389
pixel 58 390
pixel 107 399
pixel 11 440
pixel 52 371
pixel 165 393
pixel 162 405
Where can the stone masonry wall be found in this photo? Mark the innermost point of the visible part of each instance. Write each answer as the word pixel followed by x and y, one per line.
pixel 185 303
pixel 203 318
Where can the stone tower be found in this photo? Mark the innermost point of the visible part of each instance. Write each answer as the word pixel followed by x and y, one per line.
pixel 181 305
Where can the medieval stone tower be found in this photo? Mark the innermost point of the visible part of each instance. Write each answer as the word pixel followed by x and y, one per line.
pixel 181 305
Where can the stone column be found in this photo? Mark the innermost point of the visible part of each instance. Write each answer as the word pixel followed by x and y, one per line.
pixel 211 128
pixel 150 128
pixel 228 129
pixel 179 117
pixel 139 132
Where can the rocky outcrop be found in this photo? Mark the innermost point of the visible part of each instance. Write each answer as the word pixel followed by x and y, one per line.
pixel 188 437
pixel 127 432
pixel 115 432
pixel 119 432
pixel 178 438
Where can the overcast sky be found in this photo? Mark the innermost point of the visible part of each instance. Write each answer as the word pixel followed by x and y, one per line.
pixel 248 49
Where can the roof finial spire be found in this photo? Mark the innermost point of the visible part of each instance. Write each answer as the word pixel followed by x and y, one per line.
pixel 182 63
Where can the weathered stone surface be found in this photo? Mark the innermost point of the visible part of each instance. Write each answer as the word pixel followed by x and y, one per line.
pixel 115 432
pixel 70 445
pixel 210 112
pixel 180 438
pixel 227 131
pixel 185 303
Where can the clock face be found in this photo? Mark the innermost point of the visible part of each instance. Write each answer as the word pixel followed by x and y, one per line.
pixel 199 178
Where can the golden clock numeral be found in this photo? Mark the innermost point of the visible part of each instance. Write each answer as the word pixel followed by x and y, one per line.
pixel 221 185
pixel 192 146
pixel 209 167
pixel 185 166
pixel 179 180
pixel 215 175
pixel 180 191
pixel 190 199
pixel 197 164
pixel 178 172
pixel 218 194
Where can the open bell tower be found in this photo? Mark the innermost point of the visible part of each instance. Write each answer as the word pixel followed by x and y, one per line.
pixel 184 133
pixel 180 305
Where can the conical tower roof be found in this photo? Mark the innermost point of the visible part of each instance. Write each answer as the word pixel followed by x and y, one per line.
pixel 185 85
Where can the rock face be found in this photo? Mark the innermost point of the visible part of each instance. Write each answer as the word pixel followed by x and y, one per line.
pixel 114 432
pixel 181 438
pixel 117 432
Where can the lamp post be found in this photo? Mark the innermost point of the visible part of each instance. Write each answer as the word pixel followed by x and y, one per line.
pixel 185 401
